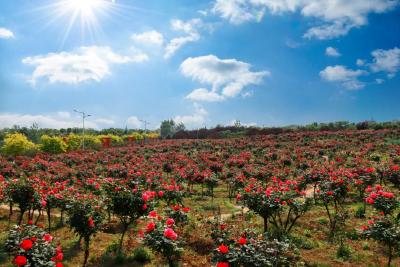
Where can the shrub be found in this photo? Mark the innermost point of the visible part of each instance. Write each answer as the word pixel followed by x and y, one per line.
pixel 73 142
pixel 343 252
pixel 385 230
pixel 141 254
pixel 382 201
pixel 247 250
pixel 91 142
pixel 280 204
pixel 17 144
pixel 129 206
pixel 85 219
pixel 161 238
pixel 24 195
pixel 53 144
pixel 31 246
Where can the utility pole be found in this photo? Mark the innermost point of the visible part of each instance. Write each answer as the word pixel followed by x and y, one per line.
pixel 145 124
pixel 145 128
pixel 84 116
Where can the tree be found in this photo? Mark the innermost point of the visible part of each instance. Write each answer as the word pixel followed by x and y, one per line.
pixel 167 129
pixel 17 144
pixel 53 144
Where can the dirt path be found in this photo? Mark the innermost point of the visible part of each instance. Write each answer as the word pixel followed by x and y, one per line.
pixel 244 210
pixel 36 212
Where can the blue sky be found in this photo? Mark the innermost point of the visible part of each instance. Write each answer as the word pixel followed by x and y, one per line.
pixel 263 62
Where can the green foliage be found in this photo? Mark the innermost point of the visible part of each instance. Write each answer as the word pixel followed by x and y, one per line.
pixel 141 254
pixel 24 195
pixel 91 142
pixel 343 252
pixel 167 129
pixel 53 144
pixel 17 144
pixel 84 218
pixel 74 141
pixel 386 230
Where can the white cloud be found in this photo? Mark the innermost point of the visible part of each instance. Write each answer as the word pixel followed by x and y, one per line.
pixel 6 33
pixel 360 62
pixel 347 77
pixel 189 28
pixel 329 30
pixel 386 61
pixel 83 64
pixel 379 81
pixel 134 122
pixel 227 76
pixel 54 120
pixel 247 94
pixel 336 17
pixel 236 11
pixel 197 119
pixel 149 38
pixel 202 94
pixel 332 52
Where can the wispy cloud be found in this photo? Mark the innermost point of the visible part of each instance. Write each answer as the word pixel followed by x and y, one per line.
pixel 198 118
pixel 56 120
pixel 189 28
pixel 335 17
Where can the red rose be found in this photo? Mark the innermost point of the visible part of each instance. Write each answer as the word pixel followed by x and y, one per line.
pixel 369 200
pixel 329 193
pixel 33 238
pixel 160 193
pixel 242 241
pixel 47 237
pixel 186 209
pixel 91 222
pixel 59 264
pixel 26 244
pixel 169 233
pixel 223 249
pixel 176 208
pixel 222 264
pixel 170 222
pixel 59 257
pixel 20 260
pixel 153 214
pixel 150 227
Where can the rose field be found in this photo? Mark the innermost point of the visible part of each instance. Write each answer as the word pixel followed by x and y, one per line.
pixel 292 199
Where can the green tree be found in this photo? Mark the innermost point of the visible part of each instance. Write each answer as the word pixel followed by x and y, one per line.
pixel 167 129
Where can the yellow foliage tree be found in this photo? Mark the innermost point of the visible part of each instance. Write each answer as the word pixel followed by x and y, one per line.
pixel 17 144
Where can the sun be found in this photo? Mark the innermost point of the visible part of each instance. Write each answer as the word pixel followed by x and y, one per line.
pixel 85 7
pixel 85 14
